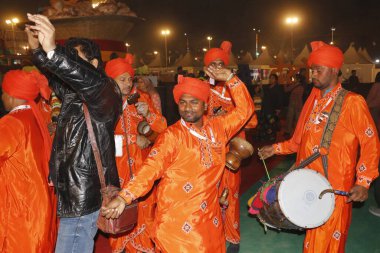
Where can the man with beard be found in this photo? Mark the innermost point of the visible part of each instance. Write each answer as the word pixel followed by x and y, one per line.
pixel 189 159
pixel 354 128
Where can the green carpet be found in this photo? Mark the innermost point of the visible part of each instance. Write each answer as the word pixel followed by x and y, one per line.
pixel 364 235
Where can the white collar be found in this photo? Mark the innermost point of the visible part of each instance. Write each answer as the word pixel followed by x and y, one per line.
pixel 20 108
pixel 196 134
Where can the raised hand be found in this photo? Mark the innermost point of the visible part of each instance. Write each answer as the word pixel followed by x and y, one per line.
pixel 32 37
pixel 218 73
pixel 44 30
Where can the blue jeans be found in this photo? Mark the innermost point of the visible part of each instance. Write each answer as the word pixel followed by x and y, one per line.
pixel 76 235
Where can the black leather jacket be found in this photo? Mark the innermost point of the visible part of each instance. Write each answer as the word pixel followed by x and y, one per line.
pixel 72 163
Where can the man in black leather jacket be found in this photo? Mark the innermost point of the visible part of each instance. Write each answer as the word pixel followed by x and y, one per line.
pixel 76 75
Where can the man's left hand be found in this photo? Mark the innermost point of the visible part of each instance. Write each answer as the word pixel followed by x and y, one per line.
pixel 220 74
pixel 358 193
pixel 45 30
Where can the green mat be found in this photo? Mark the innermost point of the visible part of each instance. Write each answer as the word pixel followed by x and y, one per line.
pixel 364 235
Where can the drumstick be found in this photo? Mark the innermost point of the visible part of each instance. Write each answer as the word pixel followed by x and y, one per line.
pixel 265 165
pixel 337 192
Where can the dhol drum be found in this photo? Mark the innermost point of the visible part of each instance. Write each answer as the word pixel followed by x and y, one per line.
pixel 239 150
pixel 296 204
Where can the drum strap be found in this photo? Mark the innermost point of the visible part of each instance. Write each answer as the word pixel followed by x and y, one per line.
pixel 330 126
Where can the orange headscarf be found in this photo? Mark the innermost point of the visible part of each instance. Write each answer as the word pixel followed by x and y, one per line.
pixel 28 85
pixel 325 55
pixel 192 86
pixel 222 53
pixel 118 66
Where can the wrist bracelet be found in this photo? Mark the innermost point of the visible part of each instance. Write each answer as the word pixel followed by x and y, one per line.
pixel 230 76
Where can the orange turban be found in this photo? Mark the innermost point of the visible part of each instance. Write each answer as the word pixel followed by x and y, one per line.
pixel 118 66
pixel 192 86
pixel 325 55
pixel 222 53
pixel 26 85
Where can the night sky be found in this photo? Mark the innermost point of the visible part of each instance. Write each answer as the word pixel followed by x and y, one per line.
pixel 355 21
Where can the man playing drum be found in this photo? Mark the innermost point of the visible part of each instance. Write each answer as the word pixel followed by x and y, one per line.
pixel 354 127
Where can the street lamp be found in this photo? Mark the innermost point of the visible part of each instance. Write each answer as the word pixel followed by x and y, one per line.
pixel 209 38
pixel 291 21
pixel 127 45
pixel 155 53
pixel 165 33
pixel 187 42
pixel 332 35
pixel 204 49
pixel 13 22
pixel 263 47
pixel 257 31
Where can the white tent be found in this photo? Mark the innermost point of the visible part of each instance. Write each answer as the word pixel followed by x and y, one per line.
pixel 247 58
pixel 364 53
pixel 157 62
pixel 301 59
pixel 187 60
pixel 353 61
pixel 264 59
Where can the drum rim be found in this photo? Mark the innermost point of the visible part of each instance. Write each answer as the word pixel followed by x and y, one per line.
pixel 281 203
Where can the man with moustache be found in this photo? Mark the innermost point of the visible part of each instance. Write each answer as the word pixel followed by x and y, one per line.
pixel 354 128
pixel 189 159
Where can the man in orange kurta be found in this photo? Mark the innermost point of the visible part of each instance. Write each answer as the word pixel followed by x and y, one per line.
pixel 354 128
pixel 138 239
pixel 27 217
pixel 220 99
pixel 189 159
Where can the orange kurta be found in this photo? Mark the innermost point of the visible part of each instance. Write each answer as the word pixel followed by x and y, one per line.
pixel 220 96
pixel 190 164
pixel 27 217
pixel 139 238
pixel 355 127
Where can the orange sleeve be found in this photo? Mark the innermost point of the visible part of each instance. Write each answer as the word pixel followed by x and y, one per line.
pixel 365 130
pixel 252 122
pixel 153 167
pixel 235 120
pixel 11 136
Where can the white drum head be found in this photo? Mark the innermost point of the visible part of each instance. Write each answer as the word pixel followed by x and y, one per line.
pixel 298 196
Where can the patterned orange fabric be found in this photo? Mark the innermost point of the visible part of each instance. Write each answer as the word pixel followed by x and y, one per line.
pixel 220 96
pixel 355 128
pixel 137 240
pixel 188 217
pixel 27 216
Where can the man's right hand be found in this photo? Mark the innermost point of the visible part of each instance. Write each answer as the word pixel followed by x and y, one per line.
pixel 32 37
pixel 266 152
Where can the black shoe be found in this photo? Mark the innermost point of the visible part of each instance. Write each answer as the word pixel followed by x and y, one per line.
pixel 233 248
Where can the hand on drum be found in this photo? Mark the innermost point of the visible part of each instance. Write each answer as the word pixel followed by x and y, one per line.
pixel 358 193
pixel 265 152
